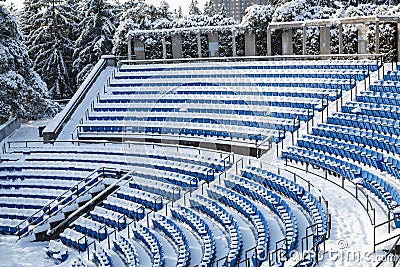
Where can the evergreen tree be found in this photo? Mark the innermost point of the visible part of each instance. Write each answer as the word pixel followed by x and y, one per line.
pixel 194 8
pixel 50 43
pixel 96 33
pixel 209 8
pixel 256 19
pixel 223 11
pixel 180 14
pixel 22 93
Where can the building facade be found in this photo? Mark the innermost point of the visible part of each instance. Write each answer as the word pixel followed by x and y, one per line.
pixel 236 8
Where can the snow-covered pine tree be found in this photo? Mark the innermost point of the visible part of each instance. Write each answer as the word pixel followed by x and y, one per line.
pixel 300 10
pixel 180 13
pixel 223 10
pixel 194 8
pixel 29 15
pixel 256 19
pixel 23 94
pixel 139 15
pixel 209 8
pixel 96 34
pixel 50 46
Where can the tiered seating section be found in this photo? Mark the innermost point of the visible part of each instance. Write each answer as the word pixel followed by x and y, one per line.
pixel 259 100
pixel 361 142
pixel 245 102
pixel 44 173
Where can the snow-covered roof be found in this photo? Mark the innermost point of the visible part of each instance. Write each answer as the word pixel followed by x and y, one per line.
pixel 332 21
pixel 206 29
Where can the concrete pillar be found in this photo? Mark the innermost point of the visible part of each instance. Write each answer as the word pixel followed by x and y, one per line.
pixel 304 40
pixel 129 48
pixel 377 44
pixel 287 42
pixel 234 49
pixel 176 45
pixel 138 48
pixel 249 44
pixel 340 28
pixel 213 47
pixel 362 38
pixel 199 45
pixel 164 48
pixel 325 40
pixel 269 45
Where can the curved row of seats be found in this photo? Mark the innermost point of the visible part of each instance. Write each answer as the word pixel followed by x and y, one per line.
pixel 361 136
pixel 201 228
pixel 274 203
pixel 152 243
pixel 46 172
pixel 227 222
pixel 371 109
pixel 382 189
pixel 101 257
pixel 381 125
pixel 367 156
pixel 244 206
pixel 294 191
pixel 178 238
pixel 127 249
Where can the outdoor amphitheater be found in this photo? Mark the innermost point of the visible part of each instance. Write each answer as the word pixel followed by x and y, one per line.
pixel 288 160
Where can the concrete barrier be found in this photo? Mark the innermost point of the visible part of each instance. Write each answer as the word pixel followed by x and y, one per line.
pixel 9 127
pixel 55 126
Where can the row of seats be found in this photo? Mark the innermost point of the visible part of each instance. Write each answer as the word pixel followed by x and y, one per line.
pixel 237 100
pixel 324 83
pixel 274 203
pixel 201 228
pixel 178 238
pixel 371 65
pixel 360 136
pixel 91 228
pixel 371 109
pixel 186 118
pixel 159 188
pixel 215 90
pixel 227 221
pixel 101 257
pixel 294 191
pixel 132 210
pixel 382 125
pixel 287 74
pixel 385 86
pixel 74 239
pixel 109 217
pixel 342 149
pixel 150 240
pixel 149 200
pixel 125 247
pixel 139 151
pixel 379 98
pixel 251 212
pixel 179 179
pixel 275 112
pixel 124 161
pixel 379 187
pixel 228 132
pixel 13 226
